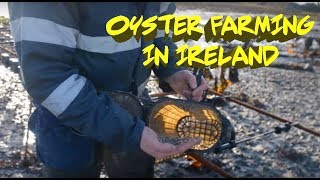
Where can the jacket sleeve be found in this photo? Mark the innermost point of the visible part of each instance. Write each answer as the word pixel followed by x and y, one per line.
pixel 160 42
pixel 45 36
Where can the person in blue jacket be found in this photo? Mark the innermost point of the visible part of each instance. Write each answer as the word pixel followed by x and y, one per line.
pixel 67 62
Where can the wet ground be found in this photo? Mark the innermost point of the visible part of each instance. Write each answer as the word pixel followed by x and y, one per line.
pixel 285 91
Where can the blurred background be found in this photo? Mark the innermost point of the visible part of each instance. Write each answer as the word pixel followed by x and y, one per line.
pixel 288 88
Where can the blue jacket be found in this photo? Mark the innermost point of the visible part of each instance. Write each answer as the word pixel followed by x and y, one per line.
pixel 67 60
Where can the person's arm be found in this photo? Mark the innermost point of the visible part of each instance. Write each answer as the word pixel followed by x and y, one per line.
pixel 178 79
pixel 45 35
pixel 160 42
pixel 46 40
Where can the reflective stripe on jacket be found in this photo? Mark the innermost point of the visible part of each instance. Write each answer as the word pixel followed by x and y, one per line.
pixel 66 59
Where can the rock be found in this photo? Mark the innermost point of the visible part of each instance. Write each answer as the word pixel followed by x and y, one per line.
pixel 258 148
pixel 308 67
pixel 23 175
pixel 17 175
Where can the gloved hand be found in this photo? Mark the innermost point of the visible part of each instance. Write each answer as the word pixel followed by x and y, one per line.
pixel 152 146
pixel 185 83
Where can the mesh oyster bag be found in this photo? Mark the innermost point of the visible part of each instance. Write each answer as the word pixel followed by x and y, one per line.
pixel 180 119
pixel 177 120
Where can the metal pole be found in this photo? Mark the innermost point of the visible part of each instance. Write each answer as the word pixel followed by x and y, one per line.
pixel 209 164
pixel 161 94
pixel 299 126
pixel 9 51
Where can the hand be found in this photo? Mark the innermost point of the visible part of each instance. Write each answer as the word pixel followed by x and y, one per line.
pixel 152 146
pixel 185 83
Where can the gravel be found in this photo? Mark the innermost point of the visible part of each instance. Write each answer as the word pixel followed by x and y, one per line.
pixel 286 93
pixel 14 113
pixel 292 94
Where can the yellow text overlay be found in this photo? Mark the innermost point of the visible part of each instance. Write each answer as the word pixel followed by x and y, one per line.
pixel 187 28
pixel 212 56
